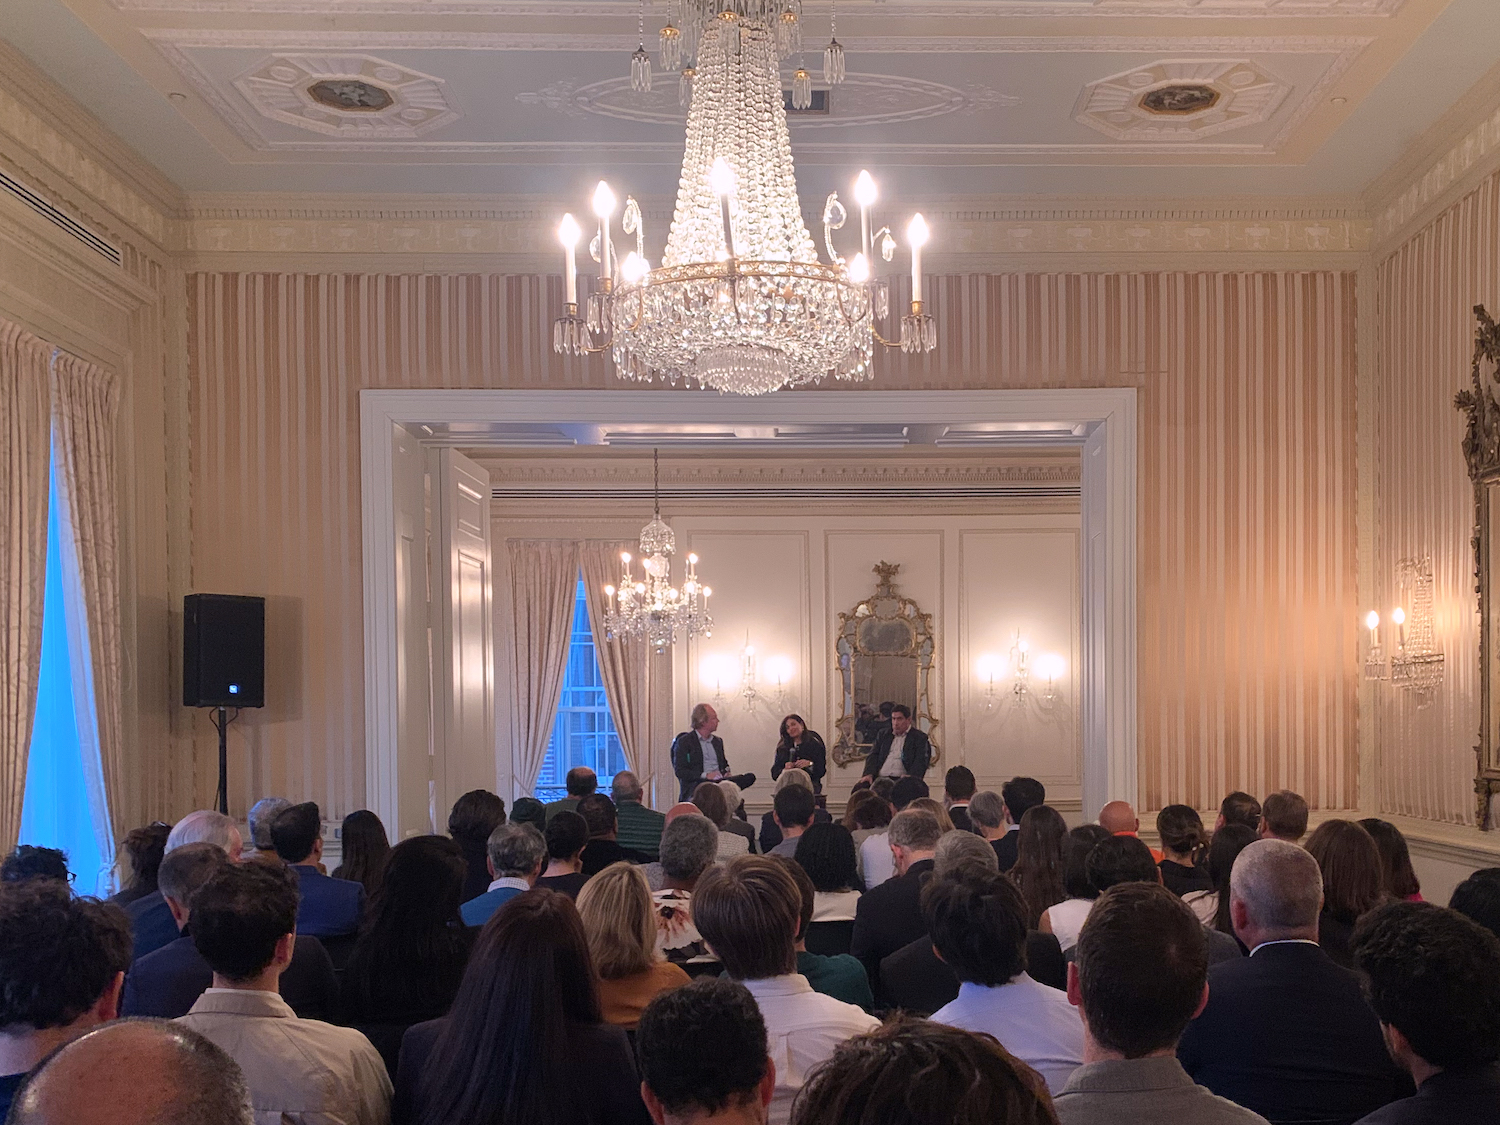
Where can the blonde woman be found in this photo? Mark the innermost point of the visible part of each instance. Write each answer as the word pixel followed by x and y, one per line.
pixel 619 921
pixel 935 807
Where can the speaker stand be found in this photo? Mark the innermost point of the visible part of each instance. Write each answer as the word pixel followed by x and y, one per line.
pixel 221 719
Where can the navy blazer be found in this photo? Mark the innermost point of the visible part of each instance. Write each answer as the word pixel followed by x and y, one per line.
pixel 889 916
pixel 916 753
pixel 1288 1034
pixel 687 761
pixel 329 907
pixel 151 925
pixel 1448 1097
pixel 166 983
pixel 1006 848
pixel 916 980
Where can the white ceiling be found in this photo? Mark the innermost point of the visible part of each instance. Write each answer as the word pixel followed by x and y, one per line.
pixel 944 98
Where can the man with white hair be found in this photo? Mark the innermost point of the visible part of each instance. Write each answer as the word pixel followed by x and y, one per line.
pixel 152 925
pixel 1286 1032
pixel 639 828
pixel 262 813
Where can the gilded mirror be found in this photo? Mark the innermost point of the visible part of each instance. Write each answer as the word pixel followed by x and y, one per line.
pixel 884 651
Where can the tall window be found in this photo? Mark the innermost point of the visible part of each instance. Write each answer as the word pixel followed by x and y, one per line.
pixel 55 813
pixel 583 733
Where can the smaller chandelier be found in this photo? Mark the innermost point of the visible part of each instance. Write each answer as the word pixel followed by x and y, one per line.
pixel 654 610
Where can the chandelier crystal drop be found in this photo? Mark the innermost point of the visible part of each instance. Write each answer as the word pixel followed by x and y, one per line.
pixel 652 609
pixel 740 301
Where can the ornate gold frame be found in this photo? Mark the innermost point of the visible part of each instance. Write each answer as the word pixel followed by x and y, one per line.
pixel 884 605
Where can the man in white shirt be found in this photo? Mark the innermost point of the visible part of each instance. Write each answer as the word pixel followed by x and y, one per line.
pixel 977 919
pixel 749 911
pixel 902 751
pixel 304 1071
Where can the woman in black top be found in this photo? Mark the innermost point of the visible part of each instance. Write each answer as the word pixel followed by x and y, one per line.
pixel 1184 849
pixel 365 849
pixel 801 748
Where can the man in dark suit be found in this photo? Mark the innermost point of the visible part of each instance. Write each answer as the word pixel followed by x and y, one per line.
pixel 1433 978
pixel 167 982
pixel 151 923
pixel 958 791
pixel 698 755
pixel 890 915
pixel 1286 1032
pixel 327 907
pixel 1020 794
pixel 604 847
pixel 902 751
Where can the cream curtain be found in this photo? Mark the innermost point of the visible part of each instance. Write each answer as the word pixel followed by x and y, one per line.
pixel 543 585
pixel 622 663
pixel 85 399
pixel 24 442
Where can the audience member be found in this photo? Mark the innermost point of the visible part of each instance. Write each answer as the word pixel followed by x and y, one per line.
pixel 62 966
pixel 876 864
pixel 528 810
pixel 1065 919
pixel 619 921
pixel 918 1072
pixel 524 1042
pixel 1038 870
pixel 1212 906
pixel 890 915
pixel 1119 817
pixel 328 907
pixel 1353 882
pixel 1433 978
pixel 1478 897
pixel 905 790
pixel 640 827
pixel 413 946
pixel 826 852
pixel 977 921
pixel 1283 816
pixel 604 847
pixel 689 847
pixel 935 807
pixel 792 809
pixel 517 854
pixel 363 848
pixel 31 862
pixel 770 831
pixel 839 975
pixel 748 910
pixel 259 819
pixel 1140 975
pixel 1126 859
pixel 1398 878
pixel 866 815
pixel 958 791
pixel 735 801
pixel 1286 1032
pixel 567 835
pixel 168 981
pixel 1184 850
pixel 97 1080
pixel 708 798
pixel 579 782
pixel 991 822
pixel 243 922
pixel 474 816
pixel 1239 808
pixel 151 922
pixel 141 854
pixel 1019 794
pixel 702 1051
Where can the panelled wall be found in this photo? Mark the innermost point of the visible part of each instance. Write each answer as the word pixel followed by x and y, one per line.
pixel 1425 291
pixel 1247 532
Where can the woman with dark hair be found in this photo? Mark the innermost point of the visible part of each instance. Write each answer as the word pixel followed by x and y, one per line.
pixel 475 815
pixel 567 835
pixel 523 1028
pixel 1039 861
pixel 412 948
pixel 1353 883
pixel 365 848
pixel 1395 859
pixel 144 848
pixel 826 852
pixel 1212 905
pixel 801 749
pixel 1184 850
pixel 1065 919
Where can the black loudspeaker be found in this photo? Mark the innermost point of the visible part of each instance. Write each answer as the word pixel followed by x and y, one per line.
pixel 223 651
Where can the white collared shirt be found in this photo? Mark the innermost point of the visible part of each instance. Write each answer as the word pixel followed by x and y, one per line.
pixel 1283 941
pixel 710 755
pixel 803 1028
pixel 894 766
pixel 1033 1022
pixel 509 881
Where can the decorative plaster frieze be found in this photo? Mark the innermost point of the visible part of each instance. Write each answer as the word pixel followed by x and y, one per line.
pixel 1235 93
pixel 628 475
pixel 622 9
pixel 281 87
pixel 1479 148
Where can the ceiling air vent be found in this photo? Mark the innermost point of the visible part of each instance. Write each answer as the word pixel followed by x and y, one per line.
pixel 57 217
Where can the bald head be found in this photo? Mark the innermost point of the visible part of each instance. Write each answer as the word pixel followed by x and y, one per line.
pixel 135 1072
pixel 682 808
pixel 1275 893
pixel 1118 816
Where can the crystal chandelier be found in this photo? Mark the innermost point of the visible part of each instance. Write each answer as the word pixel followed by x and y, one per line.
pixel 740 301
pixel 654 610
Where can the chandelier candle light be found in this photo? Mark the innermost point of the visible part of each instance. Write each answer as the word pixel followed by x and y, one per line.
pixel 740 301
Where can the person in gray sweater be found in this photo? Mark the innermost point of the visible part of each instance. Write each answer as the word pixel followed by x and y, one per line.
pixel 1139 976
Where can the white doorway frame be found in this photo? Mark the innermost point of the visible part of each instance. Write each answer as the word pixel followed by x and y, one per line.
pixel 1107 416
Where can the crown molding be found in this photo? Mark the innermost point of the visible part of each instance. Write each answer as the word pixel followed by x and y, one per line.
pixel 624 9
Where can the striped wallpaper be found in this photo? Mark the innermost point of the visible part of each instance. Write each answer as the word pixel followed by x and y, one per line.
pixel 1247 536
pixel 1425 291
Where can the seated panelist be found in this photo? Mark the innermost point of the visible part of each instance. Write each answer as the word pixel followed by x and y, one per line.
pixel 698 755
pixel 901 751
pixel 800 748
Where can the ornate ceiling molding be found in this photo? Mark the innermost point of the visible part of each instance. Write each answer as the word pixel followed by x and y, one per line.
pixel 1230 94
pixel 1475 154
pixel 607 9
pixel 282 88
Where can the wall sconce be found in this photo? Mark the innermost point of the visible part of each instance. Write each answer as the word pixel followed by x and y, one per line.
pixel 988 668
pixel 779 669
pixel 1417 666
pixel 718 671
pixel 747 675
pixel 1052 667
pixel 1020 662
pixel 1375 656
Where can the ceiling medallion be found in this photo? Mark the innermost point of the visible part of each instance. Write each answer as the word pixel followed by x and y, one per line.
pixel 740 301
pixel 350 97
pixel 1179 99
pixel 350 94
